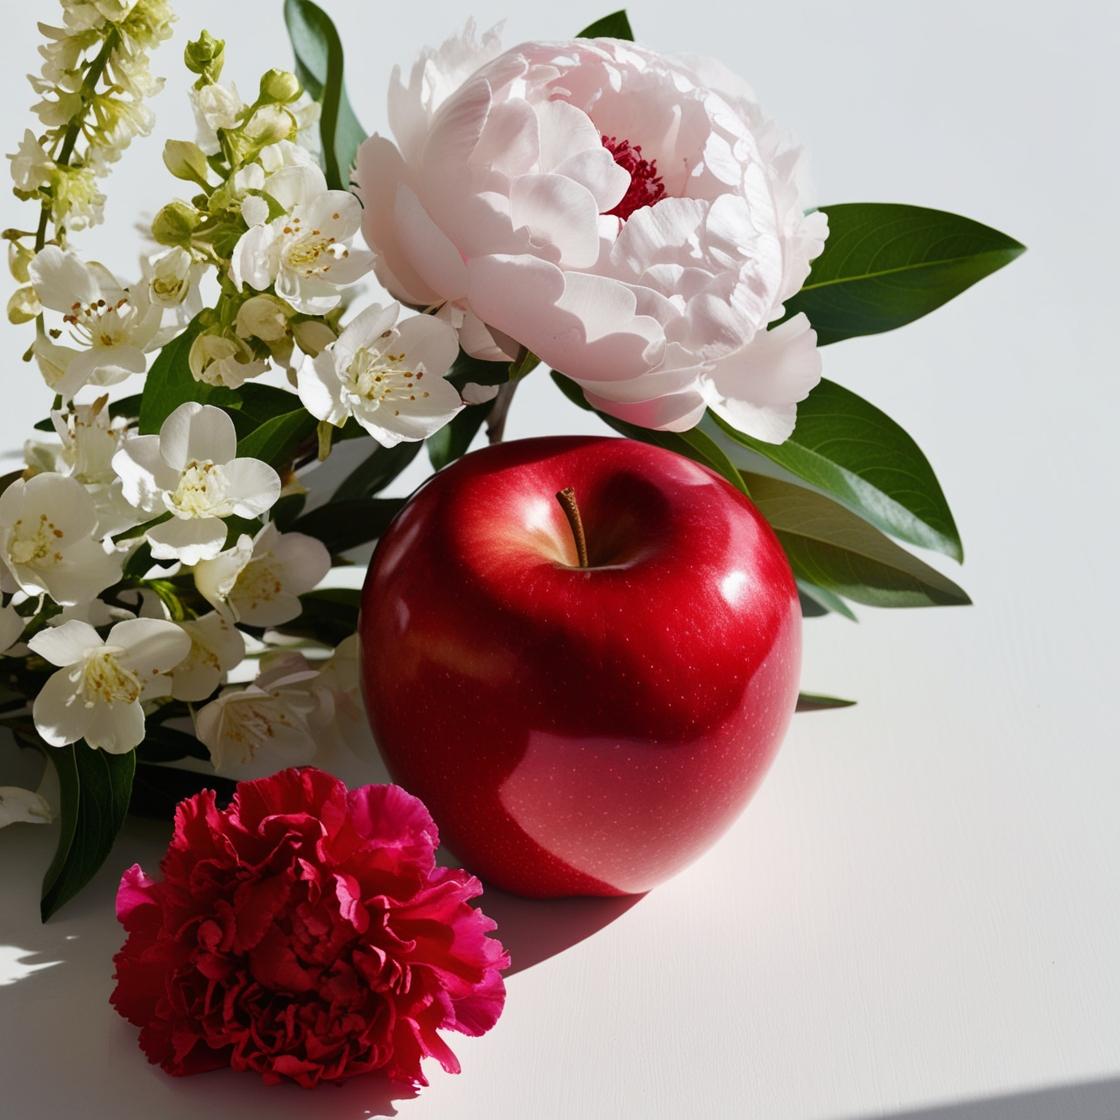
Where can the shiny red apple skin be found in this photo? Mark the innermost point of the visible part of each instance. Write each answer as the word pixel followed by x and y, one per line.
pixel 579 731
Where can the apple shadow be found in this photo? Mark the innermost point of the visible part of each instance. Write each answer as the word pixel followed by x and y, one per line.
pixel 1086 1100
pixel 534 929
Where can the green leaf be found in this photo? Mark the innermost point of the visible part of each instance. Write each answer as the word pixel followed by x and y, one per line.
pixel 452 440
pixel 277 439
pixel 286 510
pixel 347 524
pixel 816 601
pixel 94 789
pixel 855 453
pixel 886 264
pixel 169 382
pixel 833 549
pixel 696 444
pixel 326 616
pixel 614 26
pixel 157 790
pixel 168 744
pixel 377 470
pixel 319 64
pixel 815 702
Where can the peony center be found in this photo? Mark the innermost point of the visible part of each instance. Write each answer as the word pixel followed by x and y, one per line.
pixel 646 186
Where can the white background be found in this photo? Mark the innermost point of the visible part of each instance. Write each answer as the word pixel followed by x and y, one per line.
pixel 921 909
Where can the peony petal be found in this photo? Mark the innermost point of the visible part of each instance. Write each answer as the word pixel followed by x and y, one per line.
pixel 756 389
pixel 559 215
pixel 429 251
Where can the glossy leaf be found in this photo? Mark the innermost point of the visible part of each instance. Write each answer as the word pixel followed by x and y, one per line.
pixel 319 67
pixel 832 548
pixel 327 616
pixel 817 601
pixel 94 790
pixel 452 441
pixel 858 455
pixel 169 382
pixel 348 524
pixel 377 470
pixel 277 439
pixel 815 702
pixel 157 790
pixel 886 264
pixel 614 26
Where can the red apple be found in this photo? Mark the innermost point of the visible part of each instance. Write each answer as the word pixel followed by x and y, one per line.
pixel 579 728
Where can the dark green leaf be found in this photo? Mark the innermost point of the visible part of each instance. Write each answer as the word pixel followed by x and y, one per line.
pixel 467 370
pixel 377 470
pixel 94 789
pixel 614 26
pixel 815 702
pixel 327 616
pixel 848 449
pixel 452 440
pixel 168 744
pixel 816 601
pixel 169 382
pixel 319 65
pixel 885 265
pixel 835 550
pixel 286 510
pixel 347 524
pixel 276 440
pixel 157 790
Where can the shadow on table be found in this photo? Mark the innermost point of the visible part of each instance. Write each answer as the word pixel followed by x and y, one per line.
pixel 535 929
pixel 1087 1100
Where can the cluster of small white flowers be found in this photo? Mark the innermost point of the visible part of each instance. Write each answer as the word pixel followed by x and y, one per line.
pixel 140 569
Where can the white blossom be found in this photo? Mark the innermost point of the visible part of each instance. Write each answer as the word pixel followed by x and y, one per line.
pixel 98 691
pixel 47 542
pixel 305 252
pixel 262 727
pixel 217 646
pixel 215 106
pixel 191 471
pixel 112 324
pixel 259 580
pixel 388 376
pixel 173 277
pixel 218 359
pixel 23 806
pixel 340 717
pixel 31 166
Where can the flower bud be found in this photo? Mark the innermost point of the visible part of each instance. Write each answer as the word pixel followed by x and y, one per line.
pixel 175 224
pixel 19 257
pixel 313 336
pixel 280 85
pixel 185 160
pixel 23 305
pixel 205 55
pixel 264 317
pixel 269 124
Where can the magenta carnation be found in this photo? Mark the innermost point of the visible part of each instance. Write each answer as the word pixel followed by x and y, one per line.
pixel 305 932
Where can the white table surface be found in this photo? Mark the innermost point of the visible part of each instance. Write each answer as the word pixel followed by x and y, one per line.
pixel 919 914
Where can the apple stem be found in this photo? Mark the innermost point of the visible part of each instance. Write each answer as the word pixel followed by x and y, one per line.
pixel 567 500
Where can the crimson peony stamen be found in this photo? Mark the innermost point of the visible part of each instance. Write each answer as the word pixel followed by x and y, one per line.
pixel 646 185
pixel 305 933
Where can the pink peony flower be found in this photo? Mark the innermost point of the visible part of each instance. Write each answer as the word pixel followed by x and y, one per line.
pixel 305 933
pixel 629 217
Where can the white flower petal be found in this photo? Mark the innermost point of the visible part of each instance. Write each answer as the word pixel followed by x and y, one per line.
pixel 23 806
pixel 66 644
pixel 62 279
pixel 253 486
pixel 115 728
pixel 199 433
pixel 188 540
pixel 59 714
pixel 149 645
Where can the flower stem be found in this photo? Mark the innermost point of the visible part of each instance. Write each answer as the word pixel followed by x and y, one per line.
pixel 499 411
pixel 567 500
